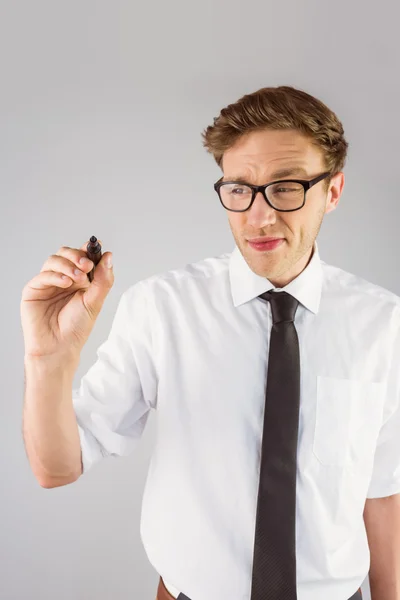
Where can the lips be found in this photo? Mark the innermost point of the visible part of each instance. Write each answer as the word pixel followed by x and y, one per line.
pixel 263 240
pixel 266 246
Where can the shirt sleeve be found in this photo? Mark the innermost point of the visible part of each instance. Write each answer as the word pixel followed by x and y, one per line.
pixel 385 480
pixel 113 401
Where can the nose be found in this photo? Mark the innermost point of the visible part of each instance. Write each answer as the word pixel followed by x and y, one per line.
pixel 261 213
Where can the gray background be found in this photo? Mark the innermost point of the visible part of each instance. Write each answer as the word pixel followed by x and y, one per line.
pixel 101 109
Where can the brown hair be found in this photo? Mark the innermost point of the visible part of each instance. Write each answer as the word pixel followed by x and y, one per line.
pixel 281 107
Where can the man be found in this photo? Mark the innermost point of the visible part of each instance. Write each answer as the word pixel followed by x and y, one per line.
pixel 276 468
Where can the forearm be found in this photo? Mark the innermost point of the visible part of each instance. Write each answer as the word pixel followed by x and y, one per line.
pixel 384 590
pixel 382 519
pixel 384 579
pixel 50 429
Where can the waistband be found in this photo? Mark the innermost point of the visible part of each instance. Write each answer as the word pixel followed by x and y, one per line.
pixel 164 594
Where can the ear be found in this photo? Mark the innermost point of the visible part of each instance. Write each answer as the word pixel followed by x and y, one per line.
pixel 334 192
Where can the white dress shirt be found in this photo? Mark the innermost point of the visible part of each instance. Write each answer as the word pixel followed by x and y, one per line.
pixel 192 344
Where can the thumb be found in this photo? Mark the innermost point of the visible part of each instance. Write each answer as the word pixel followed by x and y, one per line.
pixel 102 283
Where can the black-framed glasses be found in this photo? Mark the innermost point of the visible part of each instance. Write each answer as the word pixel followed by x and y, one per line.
pixel 238 196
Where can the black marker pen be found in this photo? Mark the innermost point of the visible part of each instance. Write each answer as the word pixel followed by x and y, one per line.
pixel 93 251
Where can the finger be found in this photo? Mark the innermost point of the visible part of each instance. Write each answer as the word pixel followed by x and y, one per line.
pixel 76 255
pixel 49 279
pixel 62 265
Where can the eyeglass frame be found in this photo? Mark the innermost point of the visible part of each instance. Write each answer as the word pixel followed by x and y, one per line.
pixel 261 188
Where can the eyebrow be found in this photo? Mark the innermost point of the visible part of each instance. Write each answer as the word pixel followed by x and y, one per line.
pixel 280 174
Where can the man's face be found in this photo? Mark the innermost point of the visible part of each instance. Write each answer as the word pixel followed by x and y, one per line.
pixel 255 158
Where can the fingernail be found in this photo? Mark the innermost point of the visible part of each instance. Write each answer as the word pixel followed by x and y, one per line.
pixel 109 261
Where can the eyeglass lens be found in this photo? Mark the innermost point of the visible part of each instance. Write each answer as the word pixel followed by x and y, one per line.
pixel 286 195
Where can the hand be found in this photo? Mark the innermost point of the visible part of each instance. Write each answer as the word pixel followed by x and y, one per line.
pixel 58 314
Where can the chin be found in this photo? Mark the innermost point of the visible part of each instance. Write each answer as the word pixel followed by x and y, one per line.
pixel 265 265
pixel 259 265
pixel 266 273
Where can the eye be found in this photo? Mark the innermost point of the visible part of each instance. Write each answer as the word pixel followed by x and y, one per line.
pixel 286 188
pixel 239 190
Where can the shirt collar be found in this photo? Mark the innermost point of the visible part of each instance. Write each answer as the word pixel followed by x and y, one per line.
pixel 246 285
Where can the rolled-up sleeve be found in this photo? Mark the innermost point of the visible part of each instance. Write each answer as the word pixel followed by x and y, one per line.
pixel 385 480
pixel 113 401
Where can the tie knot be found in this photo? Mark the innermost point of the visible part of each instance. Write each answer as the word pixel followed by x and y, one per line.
pixel 283 306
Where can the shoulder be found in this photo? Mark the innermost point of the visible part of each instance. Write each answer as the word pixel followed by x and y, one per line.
pixel 347 284
pixel 177 278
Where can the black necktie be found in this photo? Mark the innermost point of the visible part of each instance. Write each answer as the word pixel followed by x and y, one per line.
pixel 274 564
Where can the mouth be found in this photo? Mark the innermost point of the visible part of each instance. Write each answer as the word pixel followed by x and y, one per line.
pixel 262 240
pixel 264 244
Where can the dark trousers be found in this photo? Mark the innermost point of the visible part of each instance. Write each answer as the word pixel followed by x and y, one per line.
pixel 356 596
pixel 163 594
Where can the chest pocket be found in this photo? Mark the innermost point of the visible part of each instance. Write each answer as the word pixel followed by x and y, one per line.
pixel 347 421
